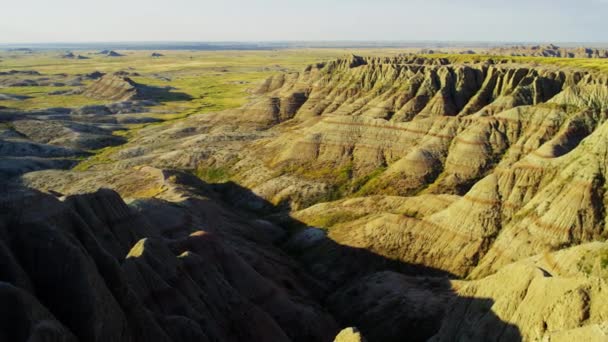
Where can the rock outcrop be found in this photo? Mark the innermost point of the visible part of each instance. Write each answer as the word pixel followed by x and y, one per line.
pixel 115 88
pixel 349 335
pixel 119 87
pixel 548 297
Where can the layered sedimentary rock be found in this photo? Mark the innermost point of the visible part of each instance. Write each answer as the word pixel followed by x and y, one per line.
pixel 425 124
pixel 546 297
pixel 428 200
pixel 114 87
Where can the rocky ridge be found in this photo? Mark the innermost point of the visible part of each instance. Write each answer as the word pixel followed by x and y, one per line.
pixel 549 50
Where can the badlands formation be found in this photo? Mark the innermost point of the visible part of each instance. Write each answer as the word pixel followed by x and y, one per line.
pixel 378 199
pixel 549 50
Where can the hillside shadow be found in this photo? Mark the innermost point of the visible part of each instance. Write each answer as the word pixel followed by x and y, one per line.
pixel 162 94
pixel 387 300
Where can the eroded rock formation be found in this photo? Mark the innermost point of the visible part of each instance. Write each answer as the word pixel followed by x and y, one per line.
pixel 114 87
pixel 427 199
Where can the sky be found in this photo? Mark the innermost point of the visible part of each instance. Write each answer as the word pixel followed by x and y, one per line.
pixel 27 21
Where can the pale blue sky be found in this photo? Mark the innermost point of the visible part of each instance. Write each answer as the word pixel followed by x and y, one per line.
pixel 262 20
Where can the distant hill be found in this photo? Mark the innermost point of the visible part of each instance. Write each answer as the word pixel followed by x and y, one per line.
pixel 71 55
pixel 550 51
pixel 110 53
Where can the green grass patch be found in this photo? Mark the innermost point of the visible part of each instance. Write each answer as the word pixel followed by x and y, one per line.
pixel 604 260
pixel 365 184
pixel 213 174
pixel 40 98
pixel 99 157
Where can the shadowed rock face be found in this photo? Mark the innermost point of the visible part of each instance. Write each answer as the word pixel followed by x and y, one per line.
pixel 33 142
pixel 461 201
pixel 89 268
pixel 228 282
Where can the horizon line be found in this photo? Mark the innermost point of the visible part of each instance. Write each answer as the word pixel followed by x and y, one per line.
pixel 393 41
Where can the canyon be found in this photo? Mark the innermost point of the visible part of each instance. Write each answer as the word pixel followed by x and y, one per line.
pixel 360 198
